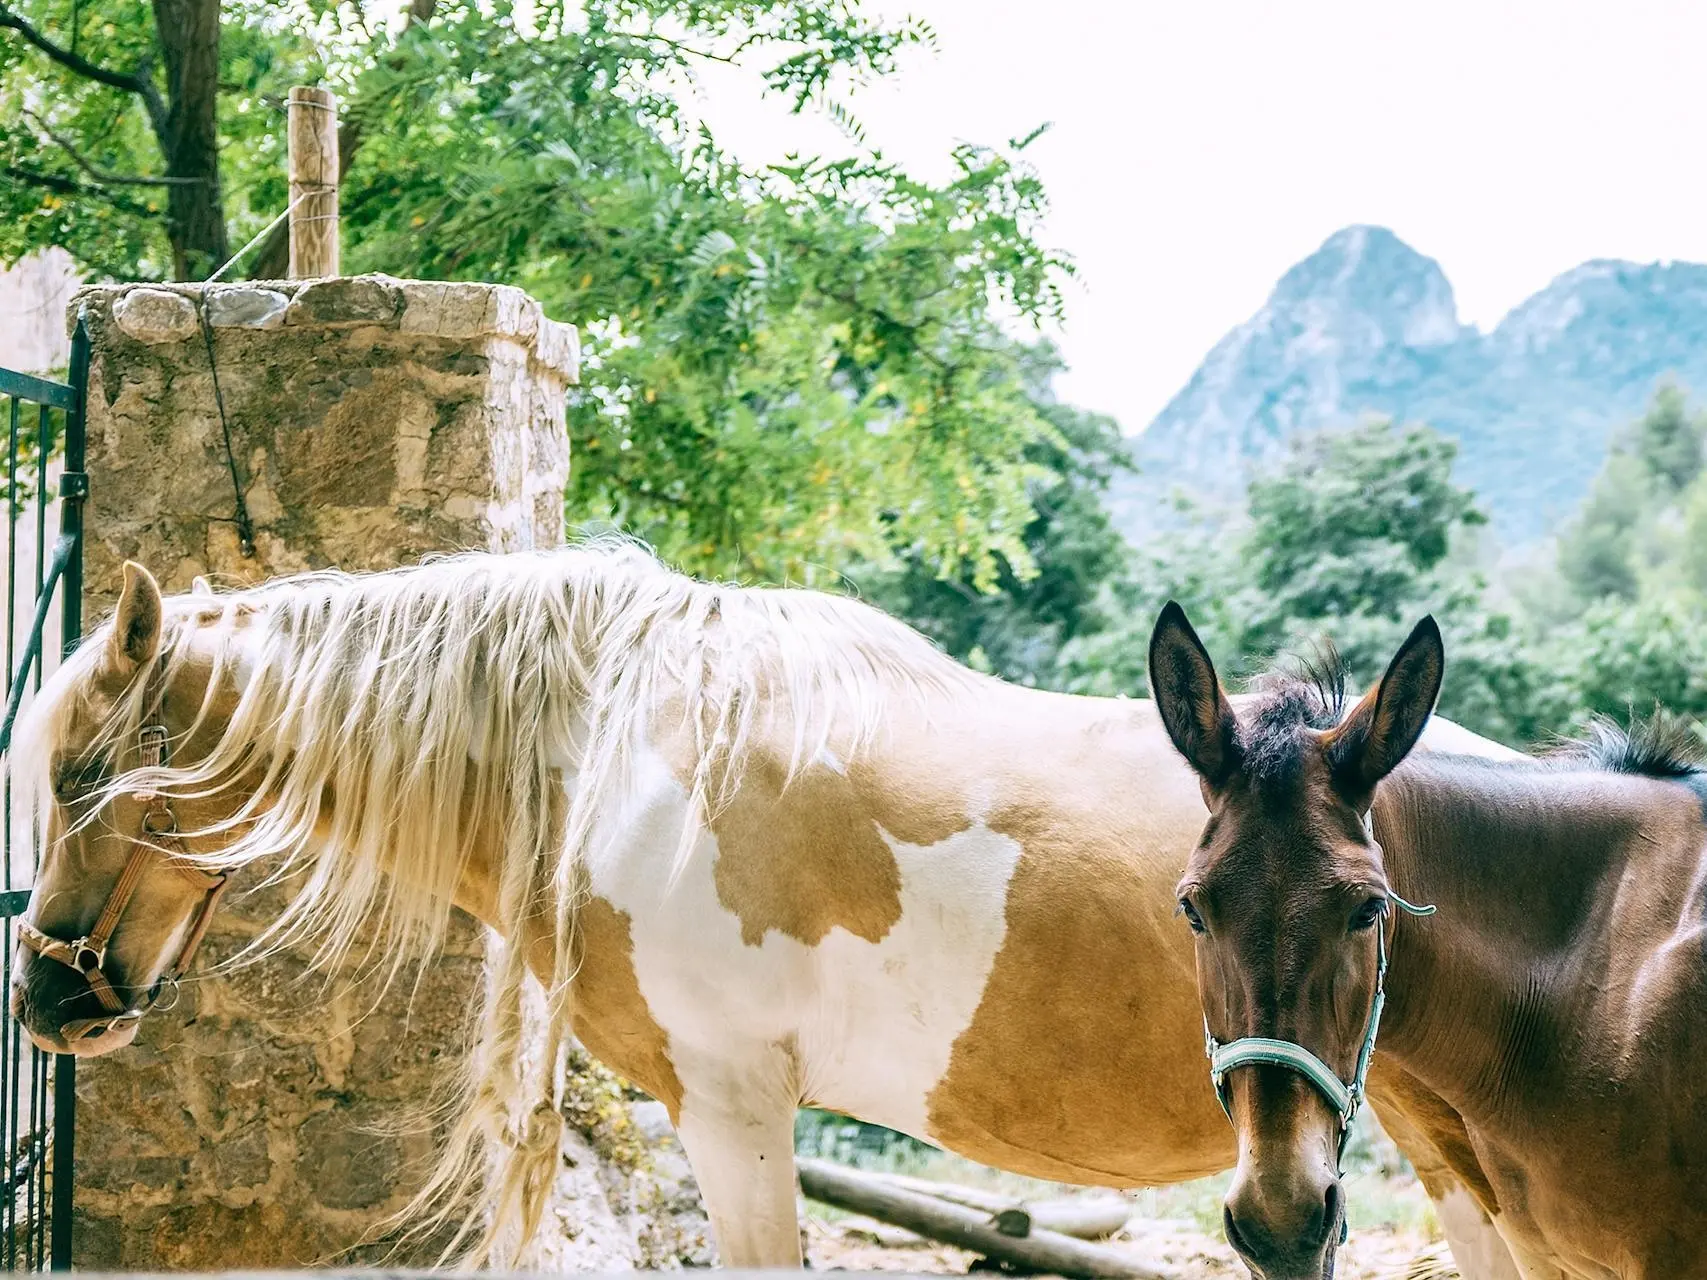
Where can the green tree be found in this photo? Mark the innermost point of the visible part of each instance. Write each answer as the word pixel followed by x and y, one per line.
pixel 84 91
pixel 1619 534
pixel 1018 630
pixel 1668 440
pixel 1353 525
pixel 1351 540
pixel 788 368
pixel 1625 660
pixel 1597 547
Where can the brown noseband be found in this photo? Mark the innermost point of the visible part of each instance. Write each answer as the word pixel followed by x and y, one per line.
pixel 158 840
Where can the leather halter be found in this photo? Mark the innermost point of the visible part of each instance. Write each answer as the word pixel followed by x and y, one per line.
pixel 158 841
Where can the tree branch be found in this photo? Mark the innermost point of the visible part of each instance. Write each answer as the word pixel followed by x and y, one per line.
pixel 686 50
pixel 68 187
pixel 71 61
pixel 137 81
pixel 100 176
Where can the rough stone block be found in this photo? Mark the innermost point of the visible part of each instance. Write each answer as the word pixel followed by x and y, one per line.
pixel 155 315
pixel 245 307
pixel 347 301
pixel 269 1120
pixel 558 348
pixel 446 310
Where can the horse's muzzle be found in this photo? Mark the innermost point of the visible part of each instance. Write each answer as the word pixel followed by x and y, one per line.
pixel 55 1005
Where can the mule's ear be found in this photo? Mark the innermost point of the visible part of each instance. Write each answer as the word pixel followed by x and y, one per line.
pixel 1385 725
pixel 199 586
pixel 1194 710
pixel 136 625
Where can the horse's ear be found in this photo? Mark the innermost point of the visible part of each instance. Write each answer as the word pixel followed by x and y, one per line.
pixel 199 586
pixel 1194 709
pixel 136 625
pixel 1385 725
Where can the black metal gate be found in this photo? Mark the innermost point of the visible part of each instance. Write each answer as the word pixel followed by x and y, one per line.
pixel 38 1099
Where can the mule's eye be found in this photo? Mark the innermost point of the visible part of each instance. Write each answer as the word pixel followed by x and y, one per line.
pixel 1366 915
pixel 1191 916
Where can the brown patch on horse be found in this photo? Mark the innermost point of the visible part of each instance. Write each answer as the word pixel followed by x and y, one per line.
pixel 807 854
pixel 1064 1012
pixel 612 1017
pixel 803 858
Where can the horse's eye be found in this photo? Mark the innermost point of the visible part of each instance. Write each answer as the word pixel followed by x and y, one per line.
pixel 1191 916
pixel 75 779
pixel 1366 915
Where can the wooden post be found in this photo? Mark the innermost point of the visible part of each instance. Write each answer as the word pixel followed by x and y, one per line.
pixel 311 117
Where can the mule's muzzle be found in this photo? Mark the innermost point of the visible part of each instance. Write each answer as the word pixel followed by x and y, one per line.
pixel 56 1005
pixel 1289 1238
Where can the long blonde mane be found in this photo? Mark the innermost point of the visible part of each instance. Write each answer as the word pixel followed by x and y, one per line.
pixel 406 719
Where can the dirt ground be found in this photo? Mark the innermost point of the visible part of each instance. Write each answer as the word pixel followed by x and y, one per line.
pixel 1393 1237
pixel 1192 1254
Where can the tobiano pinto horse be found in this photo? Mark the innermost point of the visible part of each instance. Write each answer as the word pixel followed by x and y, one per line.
pixel 760 848
pixel 1542 1032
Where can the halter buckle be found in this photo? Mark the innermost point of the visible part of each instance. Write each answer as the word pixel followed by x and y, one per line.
pixel 152 739
pixel 86 959
pixel 165 995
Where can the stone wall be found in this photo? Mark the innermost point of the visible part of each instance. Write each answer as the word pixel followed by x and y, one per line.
pixel 265 1121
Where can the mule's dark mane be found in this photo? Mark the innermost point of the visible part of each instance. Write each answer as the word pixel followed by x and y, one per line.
pixel 1306 693
pixel 1660 746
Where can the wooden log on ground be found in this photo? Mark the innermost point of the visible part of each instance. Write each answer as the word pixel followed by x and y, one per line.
pixel 880 1233
pixel 1084 1219
pixel 1087 1217
pixel 953 1192
pixel 966 1228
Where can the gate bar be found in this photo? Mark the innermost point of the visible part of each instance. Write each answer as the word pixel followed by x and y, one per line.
pixel 73 488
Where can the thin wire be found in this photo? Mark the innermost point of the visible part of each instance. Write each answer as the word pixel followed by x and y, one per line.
pixel 245 527
pixel 261 235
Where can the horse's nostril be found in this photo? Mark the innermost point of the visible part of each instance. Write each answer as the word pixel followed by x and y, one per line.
pixel 1235 1237
pixel 1330 1212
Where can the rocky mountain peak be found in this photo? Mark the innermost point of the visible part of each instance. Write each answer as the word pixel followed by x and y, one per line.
pixel 1367 326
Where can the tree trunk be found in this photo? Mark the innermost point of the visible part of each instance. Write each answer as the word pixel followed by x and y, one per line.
pixel 188 31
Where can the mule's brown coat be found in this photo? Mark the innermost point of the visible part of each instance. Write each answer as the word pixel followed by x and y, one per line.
pixel 1545 1039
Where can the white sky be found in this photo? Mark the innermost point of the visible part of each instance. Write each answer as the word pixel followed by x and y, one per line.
pixel 1200 147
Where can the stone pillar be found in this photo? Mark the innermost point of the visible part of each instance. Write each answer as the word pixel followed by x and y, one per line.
pixel 371 421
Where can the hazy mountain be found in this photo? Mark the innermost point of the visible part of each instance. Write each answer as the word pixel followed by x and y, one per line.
pixel 1366 326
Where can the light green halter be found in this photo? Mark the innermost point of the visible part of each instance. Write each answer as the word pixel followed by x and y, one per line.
pixel 1344 1098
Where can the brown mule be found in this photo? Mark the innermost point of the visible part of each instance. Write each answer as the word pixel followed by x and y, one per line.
pixel 1545 1032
